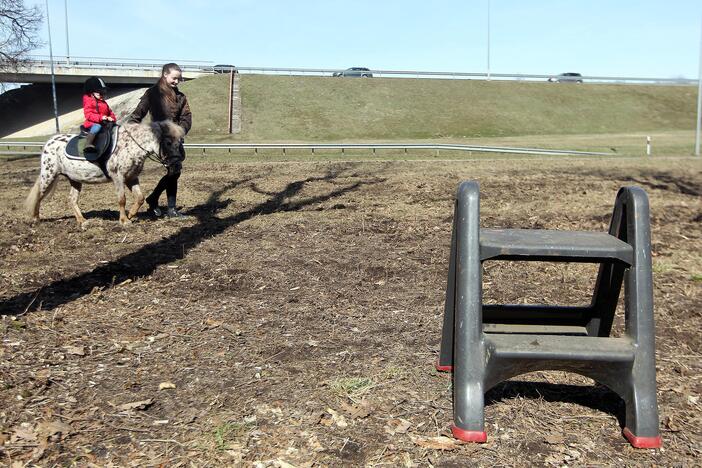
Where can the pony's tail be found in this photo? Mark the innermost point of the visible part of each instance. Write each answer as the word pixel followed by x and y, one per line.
pixel 31 204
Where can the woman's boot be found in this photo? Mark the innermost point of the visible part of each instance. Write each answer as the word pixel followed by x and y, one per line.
pixel 153 209
pixel 172 212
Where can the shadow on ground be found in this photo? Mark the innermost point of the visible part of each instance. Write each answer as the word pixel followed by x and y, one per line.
pixel 144 261
pixel 597 397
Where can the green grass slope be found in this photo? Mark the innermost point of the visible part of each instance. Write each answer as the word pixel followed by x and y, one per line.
pixel 283 108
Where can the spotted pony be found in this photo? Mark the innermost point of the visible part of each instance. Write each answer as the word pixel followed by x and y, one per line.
pixel 135 142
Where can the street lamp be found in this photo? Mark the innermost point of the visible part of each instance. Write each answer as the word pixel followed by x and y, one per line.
pixel 488 42
pixel 51 60
pixel 68 49
pixel 699 100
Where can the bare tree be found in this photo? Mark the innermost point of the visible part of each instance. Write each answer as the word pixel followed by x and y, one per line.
pixel 19 28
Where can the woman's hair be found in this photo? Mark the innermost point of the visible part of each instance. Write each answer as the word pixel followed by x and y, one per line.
pixel 166 91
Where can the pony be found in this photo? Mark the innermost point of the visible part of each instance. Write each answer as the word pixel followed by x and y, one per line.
pixel 135 142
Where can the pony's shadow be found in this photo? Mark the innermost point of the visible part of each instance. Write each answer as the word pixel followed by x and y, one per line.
pixel 145 260
pixel 105 215
pixel 597 396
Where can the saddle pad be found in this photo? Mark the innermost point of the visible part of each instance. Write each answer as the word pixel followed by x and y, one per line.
pixel 75 146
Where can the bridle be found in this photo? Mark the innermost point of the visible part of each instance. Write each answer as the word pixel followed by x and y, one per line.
pixel 152 155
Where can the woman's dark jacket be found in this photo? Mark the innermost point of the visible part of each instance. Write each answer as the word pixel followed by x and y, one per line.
pixel 161 109
pixel 152 101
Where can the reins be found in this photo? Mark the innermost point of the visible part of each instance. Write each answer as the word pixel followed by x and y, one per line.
pixel 152 155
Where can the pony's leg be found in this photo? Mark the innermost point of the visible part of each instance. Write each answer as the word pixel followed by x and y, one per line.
pixel 44 185
pixel 122 199
pixel 121 188
pixel 73 196
pixel 138 198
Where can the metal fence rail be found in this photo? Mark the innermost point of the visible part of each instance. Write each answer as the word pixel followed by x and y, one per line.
pixel 207 67
pixel 464 75
pixel 111 64
pixel 344 146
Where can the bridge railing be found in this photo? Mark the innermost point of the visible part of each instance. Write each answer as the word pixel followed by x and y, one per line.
pixel 129 64
pixel 207 67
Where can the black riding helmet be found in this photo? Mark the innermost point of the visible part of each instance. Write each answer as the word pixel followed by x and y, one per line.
pixel 94 85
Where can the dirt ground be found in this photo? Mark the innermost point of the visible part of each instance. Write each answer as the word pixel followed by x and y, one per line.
pixel 294 319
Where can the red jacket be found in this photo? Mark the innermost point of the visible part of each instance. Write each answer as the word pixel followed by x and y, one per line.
pixel 94 109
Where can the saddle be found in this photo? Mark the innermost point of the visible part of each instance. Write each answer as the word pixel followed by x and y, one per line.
pixel 105 143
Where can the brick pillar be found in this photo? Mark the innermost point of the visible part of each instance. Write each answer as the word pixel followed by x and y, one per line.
pixel 235 103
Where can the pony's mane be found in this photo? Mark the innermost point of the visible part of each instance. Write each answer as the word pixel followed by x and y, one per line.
pixel 141 131
pixel 175 131
pixel 157 129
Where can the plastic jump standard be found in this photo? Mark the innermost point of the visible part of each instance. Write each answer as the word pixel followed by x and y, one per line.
pixel 486 344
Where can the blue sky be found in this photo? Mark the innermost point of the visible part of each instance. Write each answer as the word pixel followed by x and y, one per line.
pixel 644 38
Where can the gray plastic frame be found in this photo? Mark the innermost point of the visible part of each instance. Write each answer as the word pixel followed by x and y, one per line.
pixel 480 359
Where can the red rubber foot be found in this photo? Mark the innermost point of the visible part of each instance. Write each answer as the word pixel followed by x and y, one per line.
pixel 469 436
pixel 642 442
pixel 441 368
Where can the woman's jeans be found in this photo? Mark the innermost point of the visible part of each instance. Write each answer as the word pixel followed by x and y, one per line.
pixel 169 183
pixel 95 128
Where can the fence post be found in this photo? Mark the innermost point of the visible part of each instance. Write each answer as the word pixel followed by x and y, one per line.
pixel 648 146
pixel 231 101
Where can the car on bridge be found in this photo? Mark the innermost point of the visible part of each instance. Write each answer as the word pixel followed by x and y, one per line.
pixel 355 72
pixel 567 78
pixel 224 68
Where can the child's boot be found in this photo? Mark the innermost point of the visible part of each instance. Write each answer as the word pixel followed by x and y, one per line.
pixel 90 143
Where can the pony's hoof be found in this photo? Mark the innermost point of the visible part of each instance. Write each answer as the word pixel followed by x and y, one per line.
pixel 125 222
pixel 83 224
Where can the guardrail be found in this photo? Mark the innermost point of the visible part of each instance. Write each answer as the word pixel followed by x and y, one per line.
pixel 461 75
pixel 344 146
pixel 387 146
pixel 207 67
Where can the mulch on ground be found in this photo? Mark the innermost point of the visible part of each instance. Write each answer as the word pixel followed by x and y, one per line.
pixel 295 318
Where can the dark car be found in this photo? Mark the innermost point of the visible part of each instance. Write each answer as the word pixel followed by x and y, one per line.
pixel 355 72
pixel 567 78
pixel 224 68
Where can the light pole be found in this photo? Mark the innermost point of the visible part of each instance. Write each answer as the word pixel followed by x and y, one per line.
pixel 68 49
pixel 699 99
pixel 488 42
pixel 51 60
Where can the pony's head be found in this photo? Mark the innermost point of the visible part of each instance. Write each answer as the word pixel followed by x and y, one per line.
pixel 169 135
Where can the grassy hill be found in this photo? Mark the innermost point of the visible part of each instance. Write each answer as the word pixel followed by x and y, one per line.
pixel 294 108
pixel 283 108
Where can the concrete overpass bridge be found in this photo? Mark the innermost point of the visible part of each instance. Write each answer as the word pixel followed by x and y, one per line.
pixel 128 72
